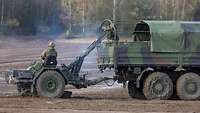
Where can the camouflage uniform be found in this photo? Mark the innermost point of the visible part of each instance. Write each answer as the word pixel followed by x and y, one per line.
pixel 50 51
pixel 111 34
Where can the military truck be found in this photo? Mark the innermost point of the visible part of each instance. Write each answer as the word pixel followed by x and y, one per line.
pixel 161 59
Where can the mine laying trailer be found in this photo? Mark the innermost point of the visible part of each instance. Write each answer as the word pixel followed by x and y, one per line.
pixel 160 60
pixel 49 79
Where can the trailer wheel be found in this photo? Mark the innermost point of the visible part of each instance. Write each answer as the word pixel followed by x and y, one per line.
pixel 158 86
pixel 133 91
pixel 50 84
pixel 188 86
pixel 24 89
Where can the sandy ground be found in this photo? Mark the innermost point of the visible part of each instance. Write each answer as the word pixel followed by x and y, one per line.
pixel 95 99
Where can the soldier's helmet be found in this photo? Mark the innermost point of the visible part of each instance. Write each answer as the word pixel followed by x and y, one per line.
pixel 51 44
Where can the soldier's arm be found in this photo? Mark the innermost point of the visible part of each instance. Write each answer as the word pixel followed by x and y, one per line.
pixel 43 55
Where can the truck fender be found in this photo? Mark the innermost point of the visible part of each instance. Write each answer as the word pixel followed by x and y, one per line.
pixel 142 74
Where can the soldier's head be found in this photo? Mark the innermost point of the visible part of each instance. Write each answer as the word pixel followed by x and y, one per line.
pixel 51 44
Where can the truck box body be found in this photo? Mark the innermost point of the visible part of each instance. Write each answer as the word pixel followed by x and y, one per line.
pixel 164 43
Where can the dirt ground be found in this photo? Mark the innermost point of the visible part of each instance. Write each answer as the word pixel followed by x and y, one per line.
pixel 95 99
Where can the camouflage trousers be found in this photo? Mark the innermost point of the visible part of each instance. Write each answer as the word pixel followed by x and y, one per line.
pixel 36 66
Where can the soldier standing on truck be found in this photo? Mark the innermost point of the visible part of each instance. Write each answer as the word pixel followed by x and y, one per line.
pixel 111 35
pixel 50 51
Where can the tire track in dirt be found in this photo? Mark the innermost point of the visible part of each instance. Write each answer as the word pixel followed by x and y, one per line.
pixel 31 110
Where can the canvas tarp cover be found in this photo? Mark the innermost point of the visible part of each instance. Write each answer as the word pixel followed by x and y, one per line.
pixel 174 36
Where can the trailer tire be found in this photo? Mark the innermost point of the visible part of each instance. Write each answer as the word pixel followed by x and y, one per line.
pixel 24 89
pixel 134 92
pixel 188 86
pixel 50 84
pixel 158 85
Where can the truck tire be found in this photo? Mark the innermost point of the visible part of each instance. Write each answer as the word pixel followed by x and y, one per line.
pixel 134 92
pixel 158 85
pixel 50 84
pixel 188 86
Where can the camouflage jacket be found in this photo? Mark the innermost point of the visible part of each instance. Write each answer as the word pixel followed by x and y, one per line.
pixel 49 52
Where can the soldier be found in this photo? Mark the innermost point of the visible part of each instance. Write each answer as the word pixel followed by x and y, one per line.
pixel 111 33
pixel 50 51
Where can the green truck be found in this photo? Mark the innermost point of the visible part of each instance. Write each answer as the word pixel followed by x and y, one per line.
pixel 161 59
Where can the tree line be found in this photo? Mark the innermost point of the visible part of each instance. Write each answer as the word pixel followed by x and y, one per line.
pixel 32 17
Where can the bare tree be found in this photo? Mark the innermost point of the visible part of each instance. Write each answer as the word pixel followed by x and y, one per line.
pixel 2 11
pixel 83 16
pixel 166 8
pixel 70 15
pixel 183 10
pixel 114 10
pixel 174 9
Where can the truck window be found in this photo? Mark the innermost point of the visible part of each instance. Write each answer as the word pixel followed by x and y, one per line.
pixel 141 32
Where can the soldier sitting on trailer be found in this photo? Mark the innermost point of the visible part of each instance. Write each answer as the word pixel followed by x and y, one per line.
pixel 48 59
pixel 49 56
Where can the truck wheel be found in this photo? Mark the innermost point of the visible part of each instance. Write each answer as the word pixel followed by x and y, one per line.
pixel 188 86
pixel 133 91
pixel 158 86
pixel 50 84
